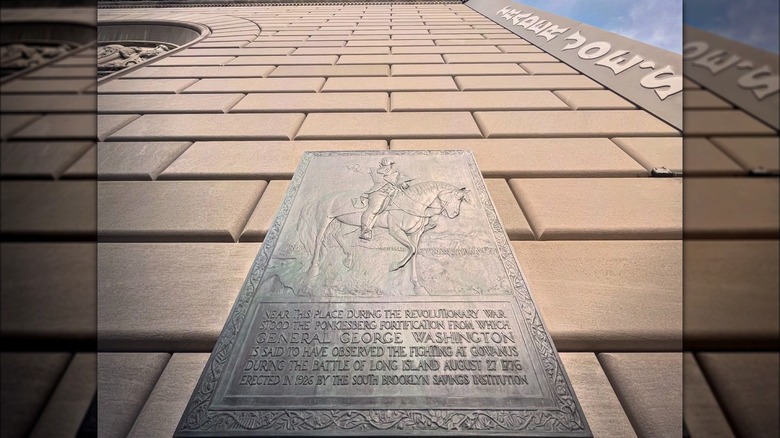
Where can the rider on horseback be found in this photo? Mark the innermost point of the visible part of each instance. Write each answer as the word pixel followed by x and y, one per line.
pixel 388 181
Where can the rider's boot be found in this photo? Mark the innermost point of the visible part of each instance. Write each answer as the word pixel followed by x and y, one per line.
pixel 360 202
pixel 367 224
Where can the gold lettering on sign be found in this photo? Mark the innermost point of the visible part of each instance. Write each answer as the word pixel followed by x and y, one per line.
pixel 618 63
pixel 666 86
pixel 663 81
pixel 762 82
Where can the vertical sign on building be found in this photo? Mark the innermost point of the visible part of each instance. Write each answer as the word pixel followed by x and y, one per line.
pixel 648 76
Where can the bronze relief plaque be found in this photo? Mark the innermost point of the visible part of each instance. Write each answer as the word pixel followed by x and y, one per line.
pixel 386 300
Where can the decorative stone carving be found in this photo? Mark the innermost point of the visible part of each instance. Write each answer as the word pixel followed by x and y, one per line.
pixel 115 56
pixel 18 56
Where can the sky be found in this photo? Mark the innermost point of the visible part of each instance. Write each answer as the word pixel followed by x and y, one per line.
pixel 655 22
pixel 659 22
pixel 753 22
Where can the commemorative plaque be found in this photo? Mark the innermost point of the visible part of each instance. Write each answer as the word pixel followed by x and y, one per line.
pixel 385 300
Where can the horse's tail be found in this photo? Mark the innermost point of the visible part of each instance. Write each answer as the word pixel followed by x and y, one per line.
pixel 307 226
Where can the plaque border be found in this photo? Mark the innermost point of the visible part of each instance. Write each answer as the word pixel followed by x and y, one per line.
pixel 566 419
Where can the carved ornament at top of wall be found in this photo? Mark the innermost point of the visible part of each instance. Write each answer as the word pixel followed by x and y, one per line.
pixel 19 55
pixel 120 56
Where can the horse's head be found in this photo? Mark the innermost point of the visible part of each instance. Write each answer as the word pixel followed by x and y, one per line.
pixel 451 200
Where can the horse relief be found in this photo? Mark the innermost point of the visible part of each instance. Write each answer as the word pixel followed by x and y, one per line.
pixel 404 209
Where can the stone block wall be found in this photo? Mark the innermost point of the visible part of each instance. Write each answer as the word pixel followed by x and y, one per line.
pixel 194 152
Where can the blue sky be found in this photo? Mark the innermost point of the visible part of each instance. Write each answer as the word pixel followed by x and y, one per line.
pixel 753 22
pixel 656 22
pixel 659 22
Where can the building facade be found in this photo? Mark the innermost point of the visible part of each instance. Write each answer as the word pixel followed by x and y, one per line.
pixel 203 112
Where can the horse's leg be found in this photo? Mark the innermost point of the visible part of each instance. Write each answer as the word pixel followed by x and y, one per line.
pixel 418 288
pixel 401 236
pixel 314 268
pixel 430 223
pixel 339 234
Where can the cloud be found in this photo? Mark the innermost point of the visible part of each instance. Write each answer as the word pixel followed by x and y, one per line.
pixel 753 22
pixel 658 22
